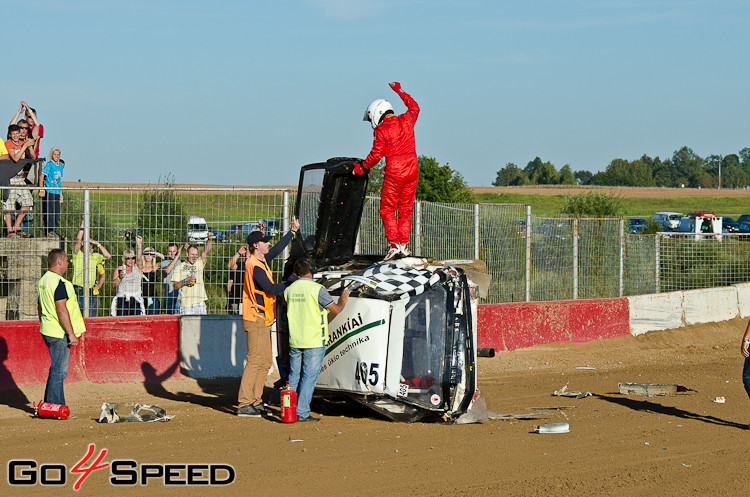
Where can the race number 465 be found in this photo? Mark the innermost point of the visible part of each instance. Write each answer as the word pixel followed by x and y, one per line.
pixel 364 375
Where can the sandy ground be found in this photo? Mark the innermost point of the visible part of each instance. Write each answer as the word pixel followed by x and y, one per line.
pixel 618 444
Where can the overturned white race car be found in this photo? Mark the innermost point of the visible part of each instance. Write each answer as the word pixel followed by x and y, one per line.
pixel 405 344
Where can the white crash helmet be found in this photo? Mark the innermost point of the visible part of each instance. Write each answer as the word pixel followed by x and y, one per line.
pixel 376 110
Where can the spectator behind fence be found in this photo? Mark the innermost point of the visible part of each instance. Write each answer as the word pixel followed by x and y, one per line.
pixel 34 129
pixel 188 278
pixel 96 272
pixel 236 280
pixel 128 279
pixel 168 265
pixel 51 178
pixel 17 150
pixel 150 274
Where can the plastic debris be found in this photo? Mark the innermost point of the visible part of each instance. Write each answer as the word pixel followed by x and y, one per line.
pixel 132 412
pixel 652 389
pixel 720 400
pixel 553 428
pixel 563 392
pixel 502 415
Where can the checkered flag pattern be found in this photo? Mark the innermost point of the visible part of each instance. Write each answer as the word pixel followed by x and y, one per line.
pixel 395 280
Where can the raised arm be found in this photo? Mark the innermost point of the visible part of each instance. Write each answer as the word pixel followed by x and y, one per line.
pixel 171 265
pixel 18 114
pixel 207 248
pixel 79 239
pixel 411 104
pixel 105 252
pixel 232 264
pixel 139 252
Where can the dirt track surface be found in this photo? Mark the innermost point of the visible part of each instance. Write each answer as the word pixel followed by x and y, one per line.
pixel 618 444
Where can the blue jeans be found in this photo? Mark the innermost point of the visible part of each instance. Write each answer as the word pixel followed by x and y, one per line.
pixel 746 375
pixel 152 305
pixel 93 301
pixel 51 207
pixel 308 363
pixel 59 353
pixel 170 301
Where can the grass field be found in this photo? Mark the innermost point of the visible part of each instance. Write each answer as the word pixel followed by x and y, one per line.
pixel 545 204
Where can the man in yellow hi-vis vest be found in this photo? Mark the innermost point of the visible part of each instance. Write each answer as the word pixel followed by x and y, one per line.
pixel 61 322
pixel 308 306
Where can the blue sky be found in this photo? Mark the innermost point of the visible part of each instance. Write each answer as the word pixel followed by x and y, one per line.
pixel 244 93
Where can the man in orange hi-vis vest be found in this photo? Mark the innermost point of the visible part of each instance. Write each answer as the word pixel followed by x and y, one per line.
pixel 258 314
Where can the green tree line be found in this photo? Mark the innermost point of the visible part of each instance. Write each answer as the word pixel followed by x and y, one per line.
pixel 684 168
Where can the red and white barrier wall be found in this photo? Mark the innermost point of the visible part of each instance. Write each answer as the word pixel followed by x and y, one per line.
pixel 113 350
pixel 151 349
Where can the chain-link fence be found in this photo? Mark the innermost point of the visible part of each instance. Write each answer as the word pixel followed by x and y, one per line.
pixel 530 258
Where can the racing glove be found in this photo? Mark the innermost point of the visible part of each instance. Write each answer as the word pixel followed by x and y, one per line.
pixel 395 86
pixel 358 169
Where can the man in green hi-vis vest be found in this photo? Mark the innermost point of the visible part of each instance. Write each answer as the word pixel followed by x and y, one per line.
pixel 308 306
pixel 61 322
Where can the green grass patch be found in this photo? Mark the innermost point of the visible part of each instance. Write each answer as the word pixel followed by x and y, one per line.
pixel 548 205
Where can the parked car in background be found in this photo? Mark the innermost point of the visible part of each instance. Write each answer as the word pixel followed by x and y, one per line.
pixel 197 230
pixel 669 220
pixel 729 225
pixel 232 233
pixel 698 224
pixel 637 225
pixel 744 231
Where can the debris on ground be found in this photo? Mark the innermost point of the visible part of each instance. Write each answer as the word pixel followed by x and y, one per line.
pixel 113 412
pixel 564 392
pixel 553 428
pixel 652 389
pixel 502 415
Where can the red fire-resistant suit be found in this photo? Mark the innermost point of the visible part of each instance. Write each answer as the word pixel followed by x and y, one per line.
pixel 394 139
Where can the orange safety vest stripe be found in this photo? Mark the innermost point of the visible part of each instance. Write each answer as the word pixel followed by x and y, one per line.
pixel 250 306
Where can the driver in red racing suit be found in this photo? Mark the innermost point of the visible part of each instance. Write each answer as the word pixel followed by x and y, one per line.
pixel 394 140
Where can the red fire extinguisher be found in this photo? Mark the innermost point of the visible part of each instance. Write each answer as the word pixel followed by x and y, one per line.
pixel 47 410
pixel 288 405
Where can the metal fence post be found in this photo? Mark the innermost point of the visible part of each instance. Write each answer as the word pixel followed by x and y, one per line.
pixel 657 262
pixel 575 259
pixel 476 231
pixel 418 228
pixel 285 219
pixel 622 256
pixel 85 248
pixel 528 253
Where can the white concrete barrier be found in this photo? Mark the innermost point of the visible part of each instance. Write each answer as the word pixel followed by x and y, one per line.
pixel 743 299
pixel 710 305
pixel 660 311
pixel 215 346
pixel 212 346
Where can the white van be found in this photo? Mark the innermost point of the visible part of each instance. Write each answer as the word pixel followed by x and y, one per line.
pixel 197 230
pixel 700 225
pixel 670 220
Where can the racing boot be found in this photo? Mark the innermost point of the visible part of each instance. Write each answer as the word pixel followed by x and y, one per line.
pixel 393 251
pixel 404 249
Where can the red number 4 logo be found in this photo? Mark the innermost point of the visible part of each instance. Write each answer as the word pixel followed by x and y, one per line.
pixel 85 472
